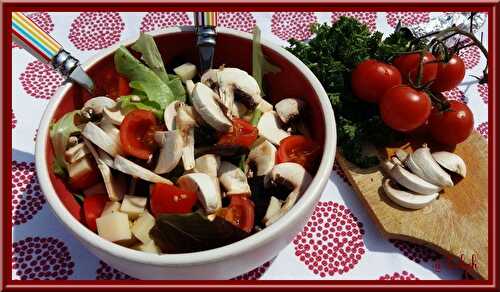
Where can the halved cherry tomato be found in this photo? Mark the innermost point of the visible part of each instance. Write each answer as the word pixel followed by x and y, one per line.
pixel 408 66
pixel 405 109
pixel 240 213
pixel 86 179
pixel 452 126
pixel 243 134
pixel 449 75
pixel 371 79
pixel 171 199
pixel 298 149
pixel 137 133
pixel 92 208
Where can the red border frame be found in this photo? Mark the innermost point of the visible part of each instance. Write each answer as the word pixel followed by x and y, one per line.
pixel 492 7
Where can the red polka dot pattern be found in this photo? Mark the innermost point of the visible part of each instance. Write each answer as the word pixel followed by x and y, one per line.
pixel 332 240
pixel 254 274
pixel 14 121
pixel 106 272
pixel 455 94
pixel 338 170
pixel 42 19
pixel 483 92
pixel 407 18
pixel 96 30
pixel 470 56
pixel 287 25
pixel 483 129
pixel 243 21
pixel 157 20
pixel 27 199
pixel 415 252
pixel 41 258
pixel 404 275
pixel 39 80
pixel 368 18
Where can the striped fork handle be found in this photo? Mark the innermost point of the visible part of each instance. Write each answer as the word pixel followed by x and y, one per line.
pixel 205 19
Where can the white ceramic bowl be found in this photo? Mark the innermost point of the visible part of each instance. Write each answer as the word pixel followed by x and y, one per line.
pixel 220 263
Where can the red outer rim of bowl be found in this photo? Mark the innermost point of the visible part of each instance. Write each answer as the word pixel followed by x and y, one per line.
pixel 197 258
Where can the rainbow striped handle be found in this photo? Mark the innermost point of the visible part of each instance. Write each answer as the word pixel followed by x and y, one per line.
pixel 205 19
pixel 34 38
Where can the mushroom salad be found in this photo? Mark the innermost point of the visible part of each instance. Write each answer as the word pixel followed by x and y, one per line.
pixel 175 163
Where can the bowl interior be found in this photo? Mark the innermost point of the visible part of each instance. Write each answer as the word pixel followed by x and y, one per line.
pixel 231 51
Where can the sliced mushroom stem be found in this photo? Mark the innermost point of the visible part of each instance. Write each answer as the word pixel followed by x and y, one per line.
pixel 126 166
pixel 171 151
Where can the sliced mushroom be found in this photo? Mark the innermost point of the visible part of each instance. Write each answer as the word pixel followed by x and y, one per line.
pixel 412 181
pixel 272 210
pixel 108 160
pixel 204 102
pixel 407 199
pixel 269 127
pixel 115 115
pixel 189 87
pixel 97 136
pixel 431 170
pixel 262 157
pixel 169 115
pixel 289 109
pixel 209 164
pixel 109 128
pixel 451 162
pixel 233 180
pixel 171 150
pixel 264 106
pixel 185 123
pixel 99 103
pixel 115 185
pixel 76 153
pixel 292 176
pixel 205 189
pixel 126 166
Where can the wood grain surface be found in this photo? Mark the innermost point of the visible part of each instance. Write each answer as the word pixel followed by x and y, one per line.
pixel 455 224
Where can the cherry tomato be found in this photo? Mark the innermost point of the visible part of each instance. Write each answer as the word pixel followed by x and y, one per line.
pixel 449 75
pixel 408 66
pixel 404 109
pixel 137 133
pixel 240 213
pixel 371 79
pixel 298 149
pixel 171 199
pixel 243 134
pixel 453 125
pixel 92 209
pixel 86 179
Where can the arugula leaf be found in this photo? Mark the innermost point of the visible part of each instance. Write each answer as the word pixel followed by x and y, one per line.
pixel 59 135
pixel 260 66
pixel 177 88
pixel 181 233
pixel 146 45
pixel 126 104
pixel 142 78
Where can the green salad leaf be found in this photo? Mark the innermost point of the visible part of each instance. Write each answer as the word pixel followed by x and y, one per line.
pixel 177 88
pixel 151 55
pixel 60 132
pixel 260 66
pixel 126 104
pixel 143 78
pixel 179 233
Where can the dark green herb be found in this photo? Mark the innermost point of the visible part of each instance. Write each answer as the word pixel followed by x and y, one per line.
pixel 180 233
pixel 331 55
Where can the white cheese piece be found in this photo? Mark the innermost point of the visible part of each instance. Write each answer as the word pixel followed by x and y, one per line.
pixel 114 227
pixel 80 168
pixel 150 247
pixel 186 71
pixel 110 207
pixel 142 226
pixel 133 205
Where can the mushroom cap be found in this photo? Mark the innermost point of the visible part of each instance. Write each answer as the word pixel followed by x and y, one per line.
pixel 204 102
pixel 289 109
pixel 233 179
pixel 263 156
pixel 269 127
pixel 171 150
pixel 204 187
pixel 99 103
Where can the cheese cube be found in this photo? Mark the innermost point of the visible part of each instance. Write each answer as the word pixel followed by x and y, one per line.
pixel 149 247
pixel 114 227
pixel 110 207
pixel 133 206
pixel 186 71
pixel 142 226
pixel 80 168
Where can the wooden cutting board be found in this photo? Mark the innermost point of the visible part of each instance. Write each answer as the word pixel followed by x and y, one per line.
pixel 455 224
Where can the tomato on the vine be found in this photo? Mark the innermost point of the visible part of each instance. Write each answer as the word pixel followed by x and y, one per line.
pixel 449 74
pixel 408 66
pixel 453 125
pixel 404 109
pixel 371 79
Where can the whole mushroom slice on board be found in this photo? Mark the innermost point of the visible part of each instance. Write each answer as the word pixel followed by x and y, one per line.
pixel 405 198
pixel 261 158
pixel 126 166
pixel 102 140
pixel 205 104
pixel 270 127
pixel 233 179
pixel 293 176
pixel 451 162
pixel 205 189
pixel 412 181
pixel 171 144
pixel 432 171
pixel 116 186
